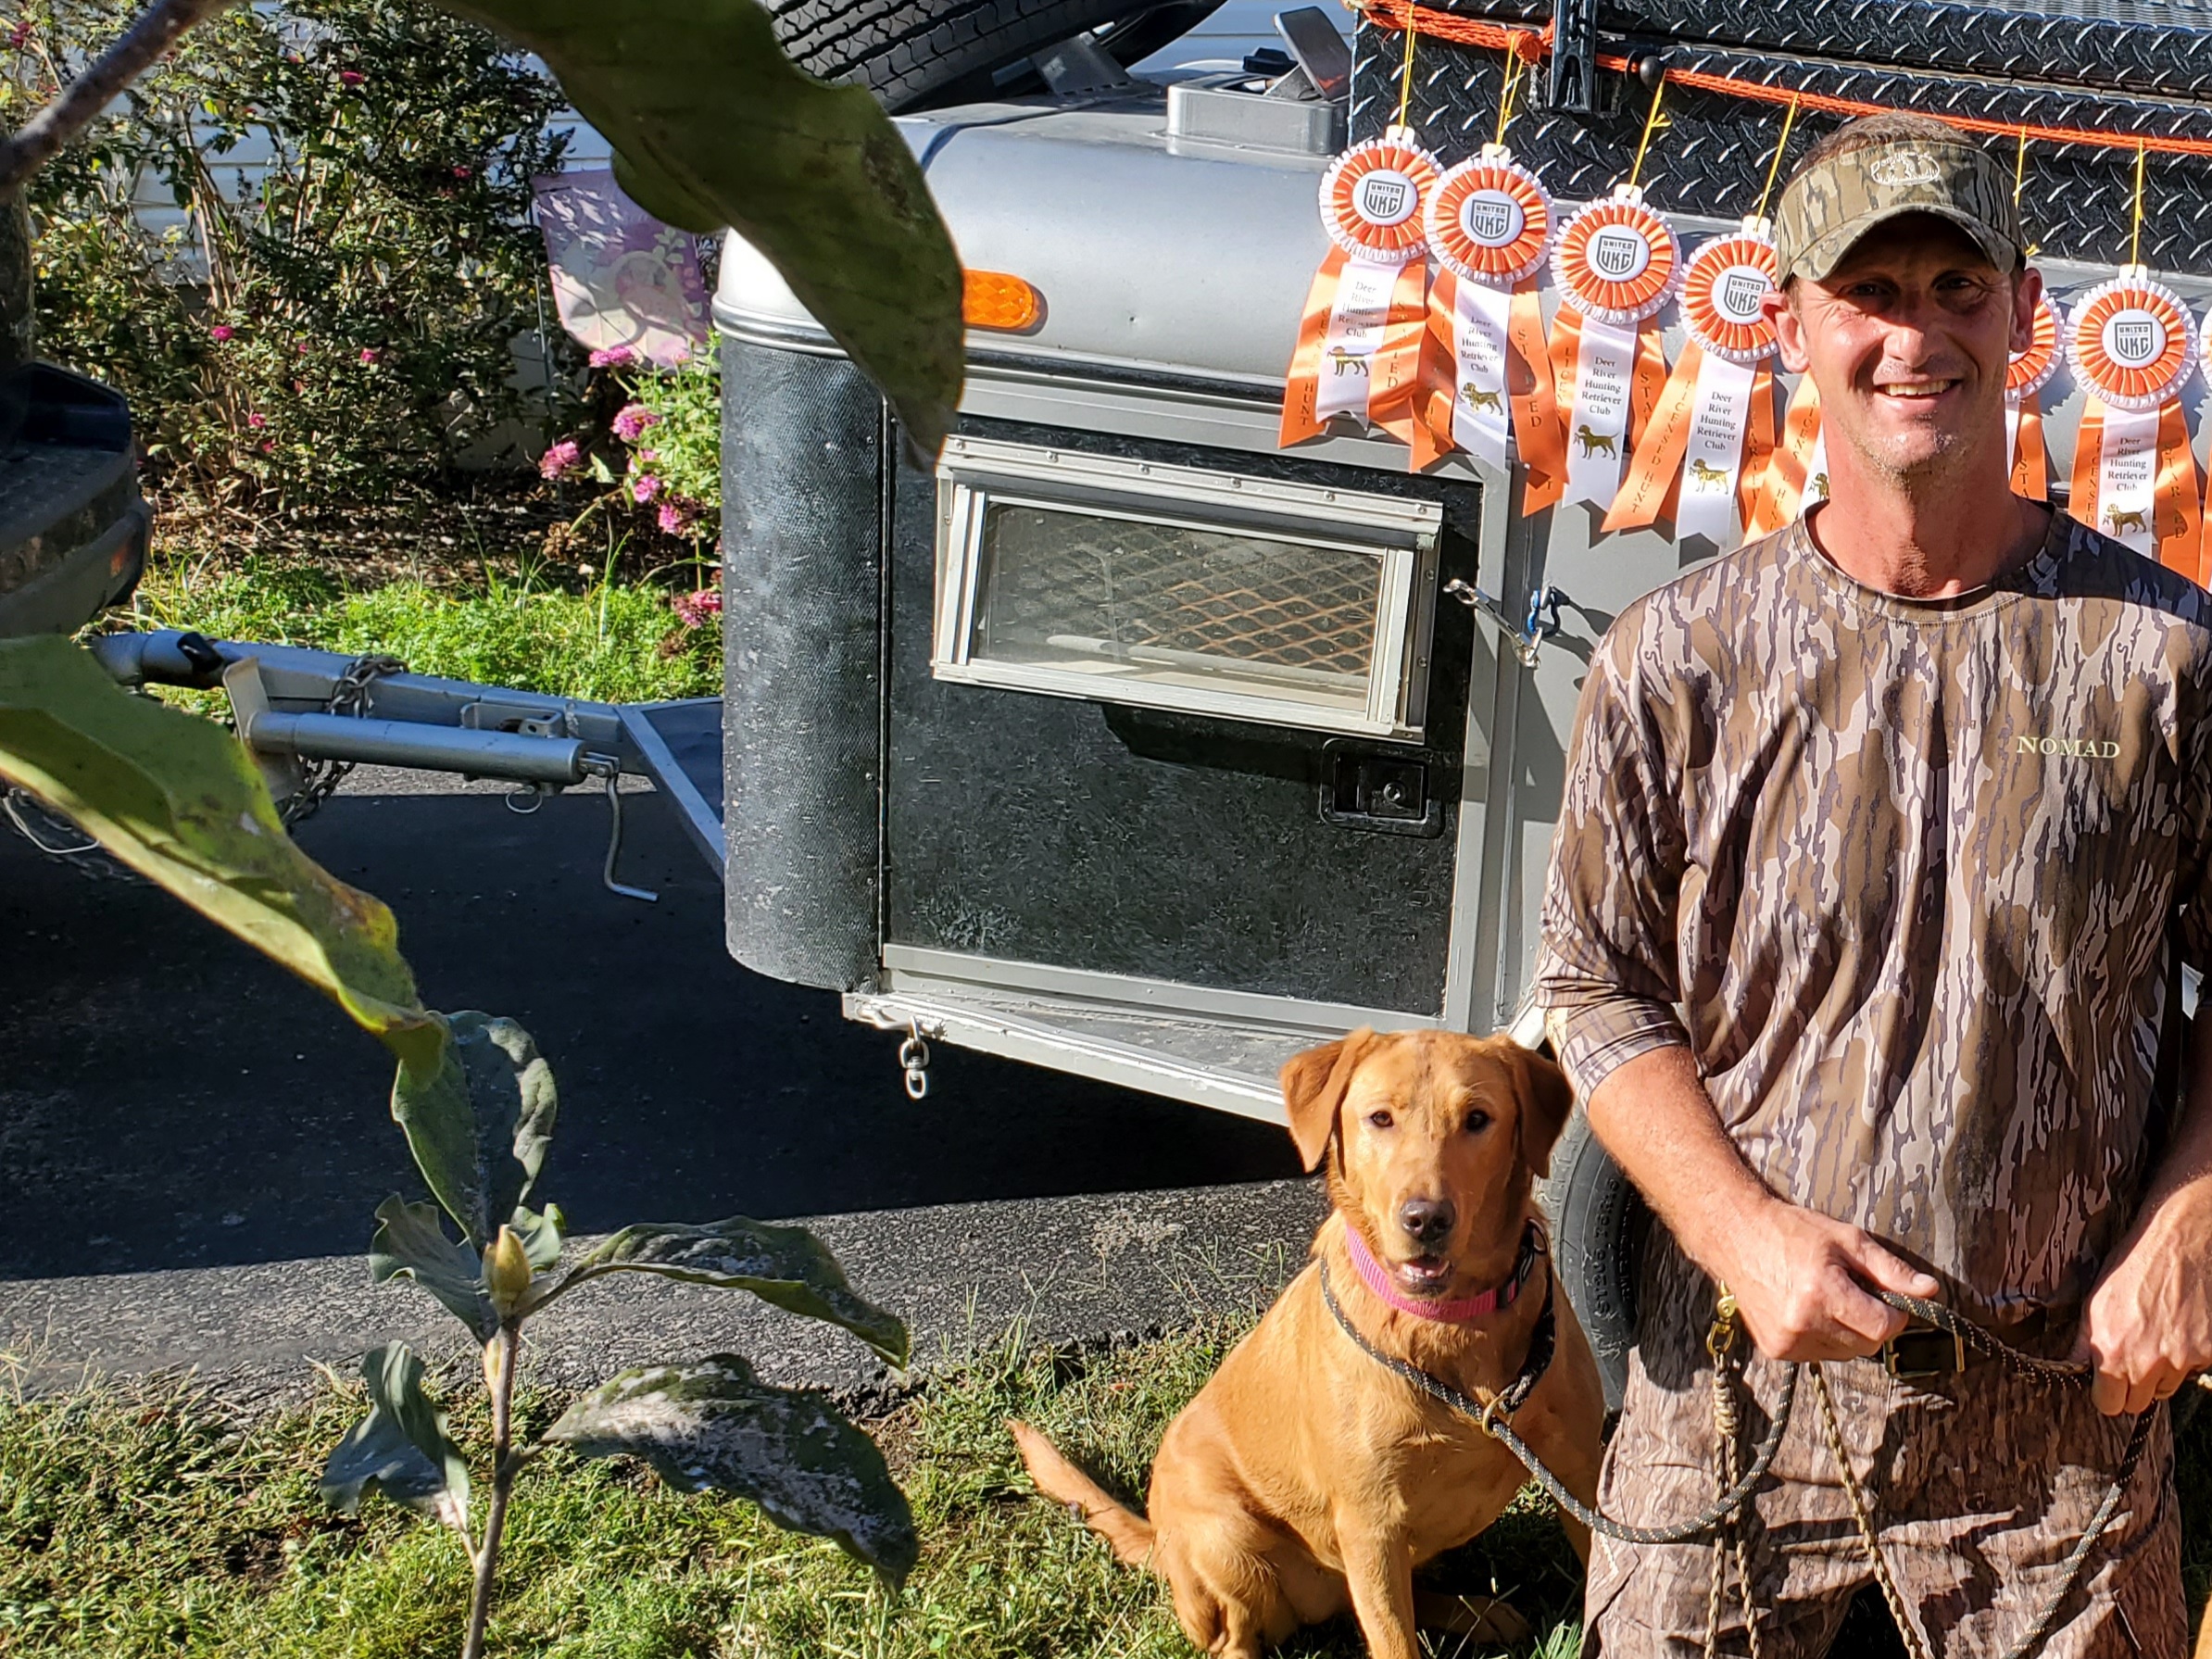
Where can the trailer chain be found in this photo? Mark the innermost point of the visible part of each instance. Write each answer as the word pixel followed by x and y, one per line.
pixel 43 827
pixel 350 696
pixel 913 1055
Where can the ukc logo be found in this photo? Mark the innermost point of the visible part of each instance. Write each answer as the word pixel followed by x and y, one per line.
pixel 1739 291
pixel 1384 197
pixel 2134 338
pixel 1493 219
pixel 1618 254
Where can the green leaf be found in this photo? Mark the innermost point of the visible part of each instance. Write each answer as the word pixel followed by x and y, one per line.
pixel 175 797
pixel 712 125
pixel 540 1233
pixel 788 1267
pixel 713 1426
pixel 479 1124
pixel 401 1447
pixel 410 1242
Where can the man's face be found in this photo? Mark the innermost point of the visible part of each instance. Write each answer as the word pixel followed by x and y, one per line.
pixel 1907 340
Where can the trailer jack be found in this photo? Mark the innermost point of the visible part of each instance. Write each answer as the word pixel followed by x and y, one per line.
pixel 308 717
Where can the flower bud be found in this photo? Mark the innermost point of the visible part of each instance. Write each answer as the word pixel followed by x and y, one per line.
pixel 506 1272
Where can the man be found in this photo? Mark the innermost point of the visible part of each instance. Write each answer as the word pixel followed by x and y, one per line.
pixel 1865 988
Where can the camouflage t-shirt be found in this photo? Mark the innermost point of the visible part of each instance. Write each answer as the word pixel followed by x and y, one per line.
pixel 1907 878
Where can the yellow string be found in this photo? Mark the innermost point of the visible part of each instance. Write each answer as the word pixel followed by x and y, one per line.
pixel 1405 78
pixel 1773 168
pixel 1513 78
pixel 2019 171
pixel 2135 234
pixel 1651 124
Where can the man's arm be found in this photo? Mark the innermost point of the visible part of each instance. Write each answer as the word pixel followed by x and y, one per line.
pixel 1799 1277
pixel 2148 1326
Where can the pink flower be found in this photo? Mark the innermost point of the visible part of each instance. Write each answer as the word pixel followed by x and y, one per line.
pixel 267 445
pixel 706 601
pixel 20 36
pixel 219 333
pixel 644 487
pixel 613 356
pixel 673 518
pixel 351 77
pixel 369 354
pixel 303 348
pixel 559 460
pixel 630 425
pixel 257 421
pixel 463 173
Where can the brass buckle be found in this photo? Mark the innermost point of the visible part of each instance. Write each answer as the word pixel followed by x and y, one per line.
pixel 1925 1351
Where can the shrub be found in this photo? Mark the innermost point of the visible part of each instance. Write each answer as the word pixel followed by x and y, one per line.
pixel 670 430
pixel 347 332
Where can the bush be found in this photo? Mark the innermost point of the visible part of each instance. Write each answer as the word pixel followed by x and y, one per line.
pixel 354 332
pixel 670 432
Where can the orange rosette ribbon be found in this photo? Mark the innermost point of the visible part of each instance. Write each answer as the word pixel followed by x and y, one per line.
pixel 2026 374
pixel 1704 450
pixel 1489 223
pixel 2131 344
pixel 1360 340
pixel 1617 266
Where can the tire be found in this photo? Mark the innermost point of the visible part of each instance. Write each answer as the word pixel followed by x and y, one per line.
pixel 1598 1226
pixel 919 53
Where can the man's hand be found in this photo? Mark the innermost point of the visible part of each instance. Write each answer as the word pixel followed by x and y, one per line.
pixel 2147 1328
pixel 1801 1280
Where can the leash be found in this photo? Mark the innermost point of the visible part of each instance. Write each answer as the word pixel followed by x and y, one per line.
pixel 1489 1414
pixel 1717 1520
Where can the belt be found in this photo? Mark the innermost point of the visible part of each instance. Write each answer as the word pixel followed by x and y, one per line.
pixel 1921 1351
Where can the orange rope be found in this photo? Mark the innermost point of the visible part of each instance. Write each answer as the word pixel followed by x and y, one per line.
pixel 1529 44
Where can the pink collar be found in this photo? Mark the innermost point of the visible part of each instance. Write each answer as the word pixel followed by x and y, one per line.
pixel 1378 1279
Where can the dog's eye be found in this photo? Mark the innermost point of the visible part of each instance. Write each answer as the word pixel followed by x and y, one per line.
pixel 1380 1120
pixel 1477 1122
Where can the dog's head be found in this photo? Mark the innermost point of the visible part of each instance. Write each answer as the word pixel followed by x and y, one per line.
pixel 1435 1137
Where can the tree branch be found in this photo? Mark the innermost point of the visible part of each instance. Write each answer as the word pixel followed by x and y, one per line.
pixel 142 46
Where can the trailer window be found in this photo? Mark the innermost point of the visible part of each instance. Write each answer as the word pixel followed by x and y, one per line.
pixel 1120 581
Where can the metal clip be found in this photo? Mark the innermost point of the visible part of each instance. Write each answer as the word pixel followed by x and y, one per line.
pixel 913 1054
pixel 1527 636
pixel 610 772
pixel 1722 1336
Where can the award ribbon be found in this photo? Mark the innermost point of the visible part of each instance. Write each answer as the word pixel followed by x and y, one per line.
pixel 1796 473
pixel 1707 443
pixel 1490 225
pixel 2026 375
pixel 1360 340
pixel 2131 346
pixel 1617 266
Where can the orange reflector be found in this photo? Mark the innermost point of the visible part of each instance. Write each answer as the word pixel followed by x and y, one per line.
pixel 995 300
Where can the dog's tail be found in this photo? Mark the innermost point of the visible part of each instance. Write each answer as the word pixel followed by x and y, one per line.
pixel 1128 1532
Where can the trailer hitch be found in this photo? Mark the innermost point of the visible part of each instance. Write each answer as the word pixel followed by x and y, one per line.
pixel 1527 635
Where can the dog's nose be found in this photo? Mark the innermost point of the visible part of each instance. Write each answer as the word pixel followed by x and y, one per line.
pixel 1426 1220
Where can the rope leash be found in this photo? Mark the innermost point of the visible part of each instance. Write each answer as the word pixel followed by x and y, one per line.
pixel 1719 1519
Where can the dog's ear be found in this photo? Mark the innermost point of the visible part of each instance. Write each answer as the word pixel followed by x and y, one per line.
pixel 1314 1086
pixel 1546 1100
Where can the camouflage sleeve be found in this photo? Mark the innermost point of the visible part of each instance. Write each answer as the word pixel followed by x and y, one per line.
pixel 1607 968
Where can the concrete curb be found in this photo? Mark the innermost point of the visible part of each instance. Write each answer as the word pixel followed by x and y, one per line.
pixel 1086 1269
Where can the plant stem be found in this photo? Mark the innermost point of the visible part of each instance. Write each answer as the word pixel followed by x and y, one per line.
pixel 504 1465
pixel 42 137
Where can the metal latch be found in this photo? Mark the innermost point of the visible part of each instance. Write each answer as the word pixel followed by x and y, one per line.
pixel 1527 635
pixel 1385 790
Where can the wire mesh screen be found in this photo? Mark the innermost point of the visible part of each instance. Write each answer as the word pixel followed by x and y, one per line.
pixel 1078 589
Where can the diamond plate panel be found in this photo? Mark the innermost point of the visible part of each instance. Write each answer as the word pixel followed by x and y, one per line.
pixel 2106 44
pixel 1713 156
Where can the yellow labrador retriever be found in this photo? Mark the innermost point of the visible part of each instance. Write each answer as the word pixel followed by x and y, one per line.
pixel 1308 1476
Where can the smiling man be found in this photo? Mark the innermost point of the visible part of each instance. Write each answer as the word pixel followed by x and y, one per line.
pixel 1867 986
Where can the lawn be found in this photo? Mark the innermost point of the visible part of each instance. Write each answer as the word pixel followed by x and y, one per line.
pixel 137 1521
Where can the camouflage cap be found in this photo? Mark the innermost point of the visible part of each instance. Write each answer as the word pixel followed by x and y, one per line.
pixel 1829 205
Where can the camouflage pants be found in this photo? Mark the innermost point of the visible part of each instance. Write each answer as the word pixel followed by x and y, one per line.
pixel 1980 1483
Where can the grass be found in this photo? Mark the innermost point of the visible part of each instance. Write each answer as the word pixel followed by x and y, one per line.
pixel 140 1522
pixel 598 637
